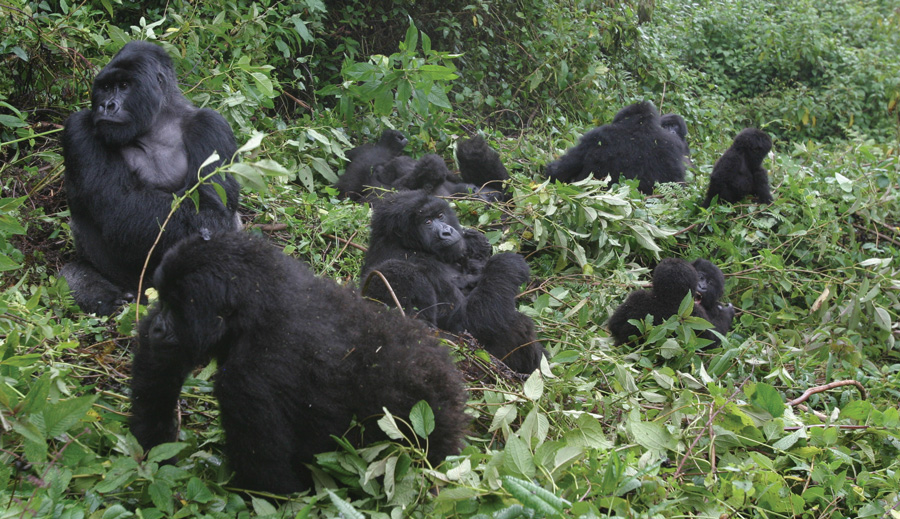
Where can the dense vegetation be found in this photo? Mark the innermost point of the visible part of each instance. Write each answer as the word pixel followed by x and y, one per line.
pixel 664 430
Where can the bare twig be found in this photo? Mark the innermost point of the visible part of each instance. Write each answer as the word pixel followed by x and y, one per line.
pixel 387 285
pixel 818 389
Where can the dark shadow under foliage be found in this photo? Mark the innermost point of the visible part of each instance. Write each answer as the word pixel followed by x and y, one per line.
pixel 299 359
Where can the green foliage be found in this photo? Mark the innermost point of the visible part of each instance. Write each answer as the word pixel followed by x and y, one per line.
pixel 412 88
pixel 670 426
pixel 806 68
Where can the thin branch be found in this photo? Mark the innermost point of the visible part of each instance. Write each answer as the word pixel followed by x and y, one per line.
pixel 818 389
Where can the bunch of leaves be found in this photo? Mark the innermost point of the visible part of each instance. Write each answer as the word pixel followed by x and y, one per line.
pixel 409 87
pixel 839 75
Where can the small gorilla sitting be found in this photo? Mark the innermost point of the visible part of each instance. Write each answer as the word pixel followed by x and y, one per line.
pixel 447 276
pixel 479 164
pixel 299 358
pixel 739 171
pixel 634 145
pixel 710 289
pixel 140 143
pixel 359 177
pixel 673 279
pixel 676 124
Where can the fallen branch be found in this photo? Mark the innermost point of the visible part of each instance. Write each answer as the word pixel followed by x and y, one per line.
pixel 818 389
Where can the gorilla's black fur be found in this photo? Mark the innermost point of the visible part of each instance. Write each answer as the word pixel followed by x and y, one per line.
pixel 360 176
pixel 710 289
pixel 673 279
pixel 479 164
pixel 430 174
pixel 676 124
pixel 376 168
pixel 299 358
pixel 633 145
pixel 739 171
pixel 140 143
pixel 447 276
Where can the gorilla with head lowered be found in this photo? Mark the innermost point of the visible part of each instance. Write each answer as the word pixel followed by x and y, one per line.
pixel 360 175
pixel 739 172
pixel 376 168
pixel 140 143
pixel 633 145
pixel 299 358
pixel 673 279
pixel 446 275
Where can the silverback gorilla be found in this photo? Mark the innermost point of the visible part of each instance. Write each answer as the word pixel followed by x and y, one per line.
pixel 140 143
pixel 299 358
pixel 739 171
pixel 447 276
pixel 633 145
pixel 673 279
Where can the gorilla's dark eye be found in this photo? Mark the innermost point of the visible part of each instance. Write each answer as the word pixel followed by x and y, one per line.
pixel 122 84
pixel 440 216
pixel 428 221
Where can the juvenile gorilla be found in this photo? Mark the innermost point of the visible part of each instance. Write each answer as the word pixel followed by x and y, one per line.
pixel 298 359
pixel 633 145
pixel 375 168
pixel 479 164
pixel 676 124
pixel 739 171
pixel 430 174
pixel 360 177
pixel 447 276
pixel 673 279
pixel 710 289
pixel 140 143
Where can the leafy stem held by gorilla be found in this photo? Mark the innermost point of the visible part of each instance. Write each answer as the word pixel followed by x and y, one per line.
pixel 140 143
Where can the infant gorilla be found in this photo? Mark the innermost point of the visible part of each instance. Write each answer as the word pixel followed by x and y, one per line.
pixel 673 279
pixel 299 358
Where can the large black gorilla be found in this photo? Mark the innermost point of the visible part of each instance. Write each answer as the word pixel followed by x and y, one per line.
pixel 360 175
pixel 299 358
pixel 710 289
pixel 673 279
pixel 140 143
pixel 447 276
pixel 633 145
pixel 739 171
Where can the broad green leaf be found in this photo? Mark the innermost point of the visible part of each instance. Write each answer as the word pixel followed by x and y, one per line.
pixel 768 398
pixel 534 386
pixel 422 418
pixel 389 425
pixel 164 451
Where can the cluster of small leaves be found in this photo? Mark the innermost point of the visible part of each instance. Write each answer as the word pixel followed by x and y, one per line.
pixel 817 85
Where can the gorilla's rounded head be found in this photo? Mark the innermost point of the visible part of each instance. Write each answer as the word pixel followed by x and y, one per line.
pixel 673 278
pixel 130 90
pixel 418 222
